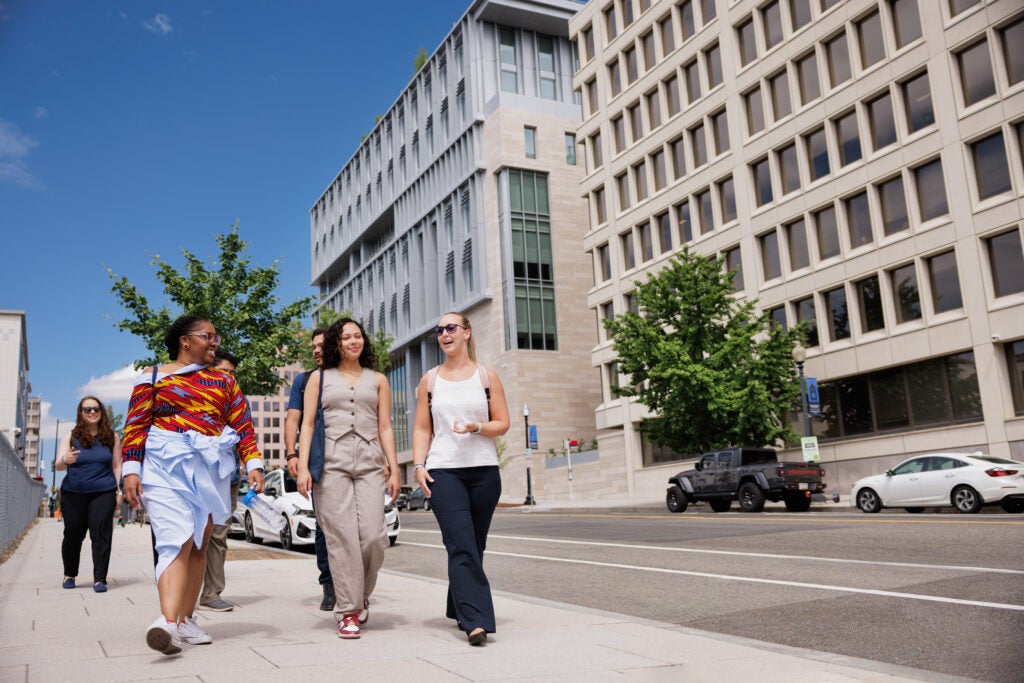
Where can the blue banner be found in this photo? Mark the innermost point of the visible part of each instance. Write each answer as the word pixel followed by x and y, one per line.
pixel 813 398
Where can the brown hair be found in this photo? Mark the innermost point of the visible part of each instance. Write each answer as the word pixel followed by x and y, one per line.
pixel 470 345
pixel 104 430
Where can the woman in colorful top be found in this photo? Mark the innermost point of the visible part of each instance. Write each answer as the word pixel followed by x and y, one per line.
pixel 91 455
pixel 349 478
pixel 460 410
pixel 184 422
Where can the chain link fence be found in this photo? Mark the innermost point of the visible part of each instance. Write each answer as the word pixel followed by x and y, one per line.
pixel 20 496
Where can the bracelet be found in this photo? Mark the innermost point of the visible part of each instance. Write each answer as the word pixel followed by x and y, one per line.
pixel 291 456
pixel 479 427
pixel 419 466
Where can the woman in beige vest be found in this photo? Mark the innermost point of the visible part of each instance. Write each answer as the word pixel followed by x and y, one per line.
pixel 359 463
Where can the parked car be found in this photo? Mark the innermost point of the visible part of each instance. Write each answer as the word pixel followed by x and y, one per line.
pixel 418 500
pixel 391 520
pixel 281 492
pixel 236 525
pixel 965 482
pixel 403 497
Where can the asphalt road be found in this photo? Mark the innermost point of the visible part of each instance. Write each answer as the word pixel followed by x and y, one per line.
pixel 935 591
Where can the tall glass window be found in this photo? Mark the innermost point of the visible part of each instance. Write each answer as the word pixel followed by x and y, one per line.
pixel 827 232
pixel 1006 261
pixel 796 235
pixel 894 206
pixel 532 262
pixel 991 171
pixel 509 67
pixel 546 67
pixel 905 292
pixel 917 97
pixel 945 282
pixel 839 315
pixel 931 190
pixel 906 22
pixel 976 77
pixel 869 298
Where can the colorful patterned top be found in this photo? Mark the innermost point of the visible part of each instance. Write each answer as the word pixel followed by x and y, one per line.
pixel 196 398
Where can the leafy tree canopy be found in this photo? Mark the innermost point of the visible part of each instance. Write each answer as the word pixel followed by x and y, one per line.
pixel 419 60
pixel 237 297
pixel 381 341
pixel 712 369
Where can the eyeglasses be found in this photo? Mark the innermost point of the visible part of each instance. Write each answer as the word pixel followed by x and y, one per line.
pixel 449 328
pixel 90 409
pixel 210 338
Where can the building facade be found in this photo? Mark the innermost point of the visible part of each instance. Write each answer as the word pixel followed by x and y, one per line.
pixel 859 164
pixel 33 417
pixel 268 415
pixel 14 386
pixel 465 197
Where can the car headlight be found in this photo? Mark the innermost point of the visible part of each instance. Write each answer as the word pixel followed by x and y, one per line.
pixel 300 512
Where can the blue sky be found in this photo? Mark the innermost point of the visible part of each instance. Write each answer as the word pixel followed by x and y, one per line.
pixel 133 129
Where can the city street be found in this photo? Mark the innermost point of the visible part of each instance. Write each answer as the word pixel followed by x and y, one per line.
pixel 940 592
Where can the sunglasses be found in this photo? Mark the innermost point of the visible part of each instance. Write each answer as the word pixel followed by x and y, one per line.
pixel 91 409
pixel 450 329
pixel 210 338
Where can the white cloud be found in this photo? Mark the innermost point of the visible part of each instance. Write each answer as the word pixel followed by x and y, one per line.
pixel 15 147
pixel 42 113
pixel 113 387
pixel 48 422
pixel 160 25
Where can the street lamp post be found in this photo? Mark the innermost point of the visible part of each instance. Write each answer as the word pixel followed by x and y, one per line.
pixel 799 356
pixel 529 459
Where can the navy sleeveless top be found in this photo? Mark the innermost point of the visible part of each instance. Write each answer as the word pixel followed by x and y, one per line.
pixel 93 472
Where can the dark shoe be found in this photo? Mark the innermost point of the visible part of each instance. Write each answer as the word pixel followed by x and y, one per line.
pixel 100 586
pixel 218 605
pixel 478 637
pixel 327 604
pixel 69 582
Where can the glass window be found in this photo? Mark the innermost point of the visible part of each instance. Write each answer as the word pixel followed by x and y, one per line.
pixel 894 206
pixel 627 12
pixel 976 77
pixel 599 205
pixel 530 142
pixel 546 67
pixel 958 6
pixel 713 61
pixel 991 171
pixel 533 295
pixel 805 314
pixel 686 19
pixel 771 17
pixel 619 133
pixel 807 73
pixel 789 169
pixel 1013 51
pixel 779 86
pixel 658 166
pixel 646 243
pixel 640 180
pixel 835 302
pixel 747 41
pixel 664 226
pixel 796 236
pixel 647 43
pixel 700 145
pixel 672 95
pixel 800 13
pixel 1015 366
pixel 704 213
pixel 905 293
pixel 777 318
pixel 685 225
pixel 827 232
pixel 636 122
pixel 762 182
pixel 917 95
pixel 871 43
pixel 890 405
pixel 734 264
pixel 592 95
pixel 610 27
pixel 1006 261
pixel 837 52
pixel 596 152
pixel 632 72
pixel 570 149
pixel 881 121
pixel 770 261
pixel 614 77
pixel 755 111
pixel 692 76
pixel 720 131
pixel 507 49
pixel 628 254
pixel 931 190
pixel 622 184
pixel 869 298
pixel 727 199
pixel 668 35
pixel 708 10
pixel 945 282
pixel 654 109
pixel 906 22
pixel 678 159
pixel 588 43
pixel 604 262
pixel 848 138
pixel 817 154
pixel 858 220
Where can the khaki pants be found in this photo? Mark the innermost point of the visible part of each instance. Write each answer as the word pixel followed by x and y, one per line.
pixel 350 510
pixel 216 551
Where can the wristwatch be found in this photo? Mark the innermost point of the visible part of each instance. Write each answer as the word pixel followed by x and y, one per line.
pixel 419 466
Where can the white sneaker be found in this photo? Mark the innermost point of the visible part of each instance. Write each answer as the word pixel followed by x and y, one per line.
pixel 163 637
pixel 189 632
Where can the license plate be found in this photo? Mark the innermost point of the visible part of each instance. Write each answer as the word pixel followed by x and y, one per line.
pixel 802 486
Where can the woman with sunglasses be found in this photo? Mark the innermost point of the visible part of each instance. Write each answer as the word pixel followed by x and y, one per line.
pixel 185 420
pixel 358 463
pixel 91 456
pixel 460 411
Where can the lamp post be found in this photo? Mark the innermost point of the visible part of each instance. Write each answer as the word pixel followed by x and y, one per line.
pixel 799 356
pixel 529 458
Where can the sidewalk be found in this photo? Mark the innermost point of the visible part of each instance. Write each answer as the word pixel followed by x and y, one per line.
pixel 48 634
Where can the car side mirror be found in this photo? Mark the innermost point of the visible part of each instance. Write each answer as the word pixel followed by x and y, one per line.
pixel 271 491
pixel 889 473
pixel 698 466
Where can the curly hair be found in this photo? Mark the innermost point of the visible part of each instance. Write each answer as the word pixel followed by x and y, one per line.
pixel 178 329
pixel 332 354
pixel 104 430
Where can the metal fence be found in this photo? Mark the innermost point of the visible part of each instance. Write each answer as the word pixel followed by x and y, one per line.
pixel 20 496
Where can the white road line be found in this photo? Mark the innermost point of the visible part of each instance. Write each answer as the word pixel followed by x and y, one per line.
pixel 748 579
pixel 839 560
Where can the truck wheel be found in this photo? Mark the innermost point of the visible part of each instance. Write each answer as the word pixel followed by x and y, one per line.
pixel 720 504
pixel 751 497
pixel 798 504
pixel 675 499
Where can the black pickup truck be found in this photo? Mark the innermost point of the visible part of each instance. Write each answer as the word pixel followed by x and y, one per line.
pixel 750 475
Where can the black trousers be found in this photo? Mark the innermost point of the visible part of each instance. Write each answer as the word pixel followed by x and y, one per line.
pixel 92 512
pixel 463 501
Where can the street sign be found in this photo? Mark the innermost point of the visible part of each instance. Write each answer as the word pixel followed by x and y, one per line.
pixel 533 437
pixel 809 444
pixel 813 397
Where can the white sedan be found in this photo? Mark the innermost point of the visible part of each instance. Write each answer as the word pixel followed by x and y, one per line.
pixel 966 482
pixel 281 492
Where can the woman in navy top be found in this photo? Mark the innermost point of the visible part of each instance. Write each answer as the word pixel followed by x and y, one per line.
pixel 91 455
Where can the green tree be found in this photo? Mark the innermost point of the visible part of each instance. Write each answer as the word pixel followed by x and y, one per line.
pixel 237 297
pixel 419 60
pixel 381 340
pixel 713 370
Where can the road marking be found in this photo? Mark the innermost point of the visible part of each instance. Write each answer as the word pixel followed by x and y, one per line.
pixel 805 517
pixel 749 579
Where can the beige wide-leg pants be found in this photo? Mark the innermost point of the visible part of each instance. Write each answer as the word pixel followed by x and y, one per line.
pixel 350 511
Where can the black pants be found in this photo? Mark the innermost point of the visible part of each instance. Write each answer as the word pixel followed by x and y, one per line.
pixel 92 512
pixel 463 501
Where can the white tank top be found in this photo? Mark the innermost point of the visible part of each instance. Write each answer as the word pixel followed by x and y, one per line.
pixel 467 402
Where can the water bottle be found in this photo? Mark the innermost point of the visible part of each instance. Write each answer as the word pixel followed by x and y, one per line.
pixel 264 510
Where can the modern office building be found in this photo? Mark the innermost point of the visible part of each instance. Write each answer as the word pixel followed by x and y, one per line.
pixel 14 386
pixel 465 196
pixel 859 164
